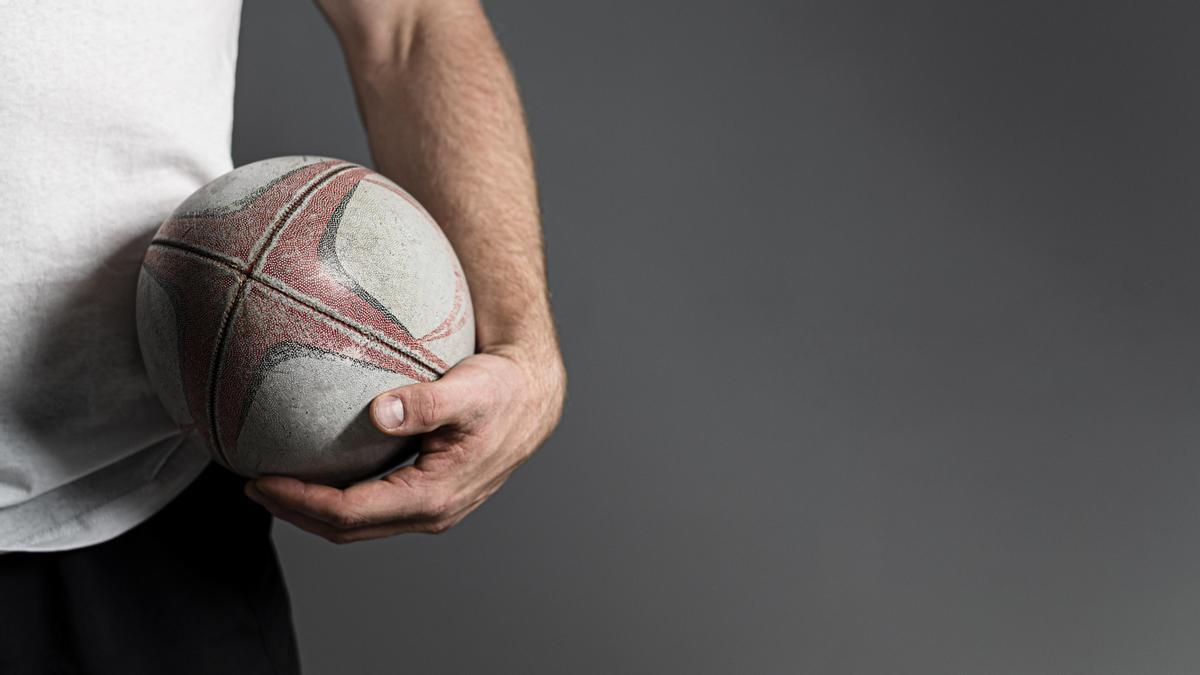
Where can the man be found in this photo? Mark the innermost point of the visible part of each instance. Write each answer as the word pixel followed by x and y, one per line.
pixel 127 551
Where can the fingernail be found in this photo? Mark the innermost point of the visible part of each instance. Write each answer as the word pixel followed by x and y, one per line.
pixel 390 413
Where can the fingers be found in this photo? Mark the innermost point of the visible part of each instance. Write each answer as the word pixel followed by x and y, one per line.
pixel 368 503
pixel 340 534
pixel 461 397
pixel 300 520
pixel 460 465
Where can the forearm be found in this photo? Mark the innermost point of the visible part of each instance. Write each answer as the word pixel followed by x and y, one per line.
pixel 444 120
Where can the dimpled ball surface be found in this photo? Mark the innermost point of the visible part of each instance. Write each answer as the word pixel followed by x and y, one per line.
pixel 280 298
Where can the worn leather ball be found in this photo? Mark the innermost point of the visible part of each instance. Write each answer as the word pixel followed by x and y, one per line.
pixel 279 299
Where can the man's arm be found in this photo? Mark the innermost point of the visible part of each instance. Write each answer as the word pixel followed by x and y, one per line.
pixel 444 120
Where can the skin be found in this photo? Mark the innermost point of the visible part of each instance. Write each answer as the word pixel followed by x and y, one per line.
pixel 443 118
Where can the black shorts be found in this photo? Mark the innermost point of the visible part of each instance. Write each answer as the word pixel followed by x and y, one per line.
pixel 195 589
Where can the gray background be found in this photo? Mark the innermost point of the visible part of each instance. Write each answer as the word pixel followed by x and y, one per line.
pixel 881 320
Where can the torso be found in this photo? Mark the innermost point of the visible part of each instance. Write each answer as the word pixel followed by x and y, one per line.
pixel 111 113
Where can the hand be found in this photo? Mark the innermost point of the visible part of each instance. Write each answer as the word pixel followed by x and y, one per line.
pixel 482 420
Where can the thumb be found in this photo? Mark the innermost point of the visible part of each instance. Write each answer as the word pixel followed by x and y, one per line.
pixel 425 406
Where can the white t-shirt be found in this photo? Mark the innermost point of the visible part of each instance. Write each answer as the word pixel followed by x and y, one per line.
pixel 110 114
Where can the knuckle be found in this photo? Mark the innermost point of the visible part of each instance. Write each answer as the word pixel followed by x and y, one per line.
pixel 347 519
pixel 426 404
pixel 437 508
pixel 438 527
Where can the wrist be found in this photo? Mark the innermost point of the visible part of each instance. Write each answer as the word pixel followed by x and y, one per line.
pixel 541 363
pixel 523 333
pixel 541 359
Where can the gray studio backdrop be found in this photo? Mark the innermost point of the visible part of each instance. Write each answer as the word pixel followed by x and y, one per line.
pixel 882 326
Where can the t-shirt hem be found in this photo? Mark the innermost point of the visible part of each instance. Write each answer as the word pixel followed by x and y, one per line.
pixel 168 477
